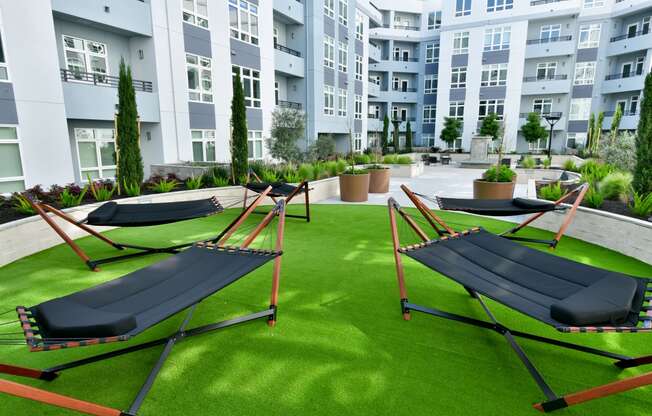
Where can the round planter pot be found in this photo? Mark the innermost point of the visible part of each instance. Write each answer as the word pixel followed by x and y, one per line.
pixel 354 188
pixel 379 181
pixel 493 190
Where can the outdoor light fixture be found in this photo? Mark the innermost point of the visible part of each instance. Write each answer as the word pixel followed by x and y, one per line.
pixel 552 119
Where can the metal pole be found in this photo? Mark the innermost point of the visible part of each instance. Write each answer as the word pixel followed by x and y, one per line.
pixel 552 125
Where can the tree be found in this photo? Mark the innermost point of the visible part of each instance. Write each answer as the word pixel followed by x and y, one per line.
pixel 589 133
pixel 324 147
pixel 288 126
pixel 615 123
pixel 239 145
pixel 643 170
pixel 533 130
pixel 491 126
pixel 130 161
pixel 451 131
pixel 385 137
pixel 395 140
pixel 597 133
pixel 408 138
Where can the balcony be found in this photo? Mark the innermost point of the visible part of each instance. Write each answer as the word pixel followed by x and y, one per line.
pixel 374 89
pixel 292 10
pixel 395 64
pixel 374 124
pixel 561 124
pixel 396 32
pixel 374 53
pixel 130 17
pixel 628 122
pixel 558 84
pixel 630 42
pixel 548 47
pixel 89 96
pixel 623 82
pixel 288 61
pixel 290 104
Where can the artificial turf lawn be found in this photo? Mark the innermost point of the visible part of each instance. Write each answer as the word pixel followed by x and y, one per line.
pixel 340 345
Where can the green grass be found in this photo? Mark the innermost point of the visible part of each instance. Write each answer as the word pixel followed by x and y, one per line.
pixel 340 345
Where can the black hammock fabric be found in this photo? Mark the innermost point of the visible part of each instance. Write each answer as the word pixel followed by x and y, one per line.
pixel 139 300
pixel 549 288
pixel 497 207
pixel 139 215
pixel 279 190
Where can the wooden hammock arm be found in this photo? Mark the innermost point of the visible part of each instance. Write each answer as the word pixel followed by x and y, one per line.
pixel 598 392
pixel 427 213
pixel 242 217
pixel 571 214
pixel 277 262
pixel 400 275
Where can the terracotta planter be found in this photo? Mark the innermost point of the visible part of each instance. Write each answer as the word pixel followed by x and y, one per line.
pixel 493 190
pixel 354 188
pixel 379 181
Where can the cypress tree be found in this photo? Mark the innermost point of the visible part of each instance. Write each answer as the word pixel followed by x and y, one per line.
pixel 643 170
pixel 130 161
pixel 408 138
pixel 239 144
pixel 385 138
pixel 615 123
pixel 597 133
pixel 396 141
pixel 589 133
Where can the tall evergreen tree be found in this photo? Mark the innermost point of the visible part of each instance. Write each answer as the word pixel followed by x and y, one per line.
pixel 615 123
pixel 396 141
pixel 385 137
pixel 130 161
pixel 239 149
pixel 408 138
pixel 643 170
pixel 491 126
pixel 589 133
pixel 451 131
pixel 597 133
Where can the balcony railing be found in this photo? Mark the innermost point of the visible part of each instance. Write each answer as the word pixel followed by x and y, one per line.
pixel 625 113
pixel 287 50
pixel 550 40
pixel 404 120
pixel 623 75
pixel 542 115
pixel 374 81
pixel 542 2
pixel 290 104
pixel 630 35
pixel 546 78
pixel 404 89
pixel 402 59
pixel 101 80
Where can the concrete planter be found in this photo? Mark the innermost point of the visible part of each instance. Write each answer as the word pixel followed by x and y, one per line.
pixel 406 171
pixel 354 188
pixel 379 181
pixel 493 190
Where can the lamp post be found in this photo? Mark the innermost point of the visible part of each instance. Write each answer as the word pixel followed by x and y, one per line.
pixel 551 119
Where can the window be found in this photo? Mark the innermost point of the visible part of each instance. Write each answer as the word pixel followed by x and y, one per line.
pixel 575 140
pixel 462 8
pixel 358 67
pixel 589 36
pixel 430 86
pixel 357 142
pixel 539 145
pixel 4 71
pixel 593 3
pixel 85 56
pixel 460 43
pixel 497 38
pixel 342 102
pixel 487 107
pixel 203 145
pixel 275 92
pixel 458 77
pixel 456 110
pixel 243 17
pixel 432 53
pixel 196 12
pixel 542 106
pixel 640 63
pixel 359 26
pixel 580 109
pixel 499 5
pixel 434 20
pixel 584 73
pixel 344 12
pixel 329 100
pixel 250 84
pixel 494 75
pixel 428 140
pixel 343 58
pixel 633 105
pixel 546 70
pixel 550 33
pixel 329 8
pixel 255 145
pixel 329 52
pixel 357 113
pixel 200 81
pixel 374 112
pixel 96 153
pixel 429 114
pixel 457 144
pixel 11 167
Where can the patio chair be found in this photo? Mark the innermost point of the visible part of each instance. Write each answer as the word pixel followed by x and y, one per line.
pixel 112 214
pixel 569 296
pixel 121 309
pixel 279 190
pixel 509 207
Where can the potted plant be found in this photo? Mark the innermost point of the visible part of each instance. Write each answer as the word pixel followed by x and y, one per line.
pixel 354 183
pixel 498 182
pixel 379 175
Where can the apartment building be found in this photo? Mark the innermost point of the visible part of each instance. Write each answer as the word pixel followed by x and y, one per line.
pixel 569 57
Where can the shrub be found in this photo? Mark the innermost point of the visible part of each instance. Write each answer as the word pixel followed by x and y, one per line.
pixel 390 159
pixel 292 177
pixel 68 199
pixel 528 162
pixel 22 205
pixel 318 171
pixel 570 165
pixel 218 182
pixel 547 162
pixel 341 166
pixel 641 205
pixel 258 167
pixel 404 160
pixel 163 185
pixel 617 185
pixel 621 153
pixel 269 176
pixel 287 127
pixel 362 159
pixel 222 172
pixel 552 192
pixel 331 168
pixel 131 190
pixel 101 191
pixel 593 198
pixel 324 147
pixel 594 172
pixel 499 174
pixel 194 182
pixel 305 172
